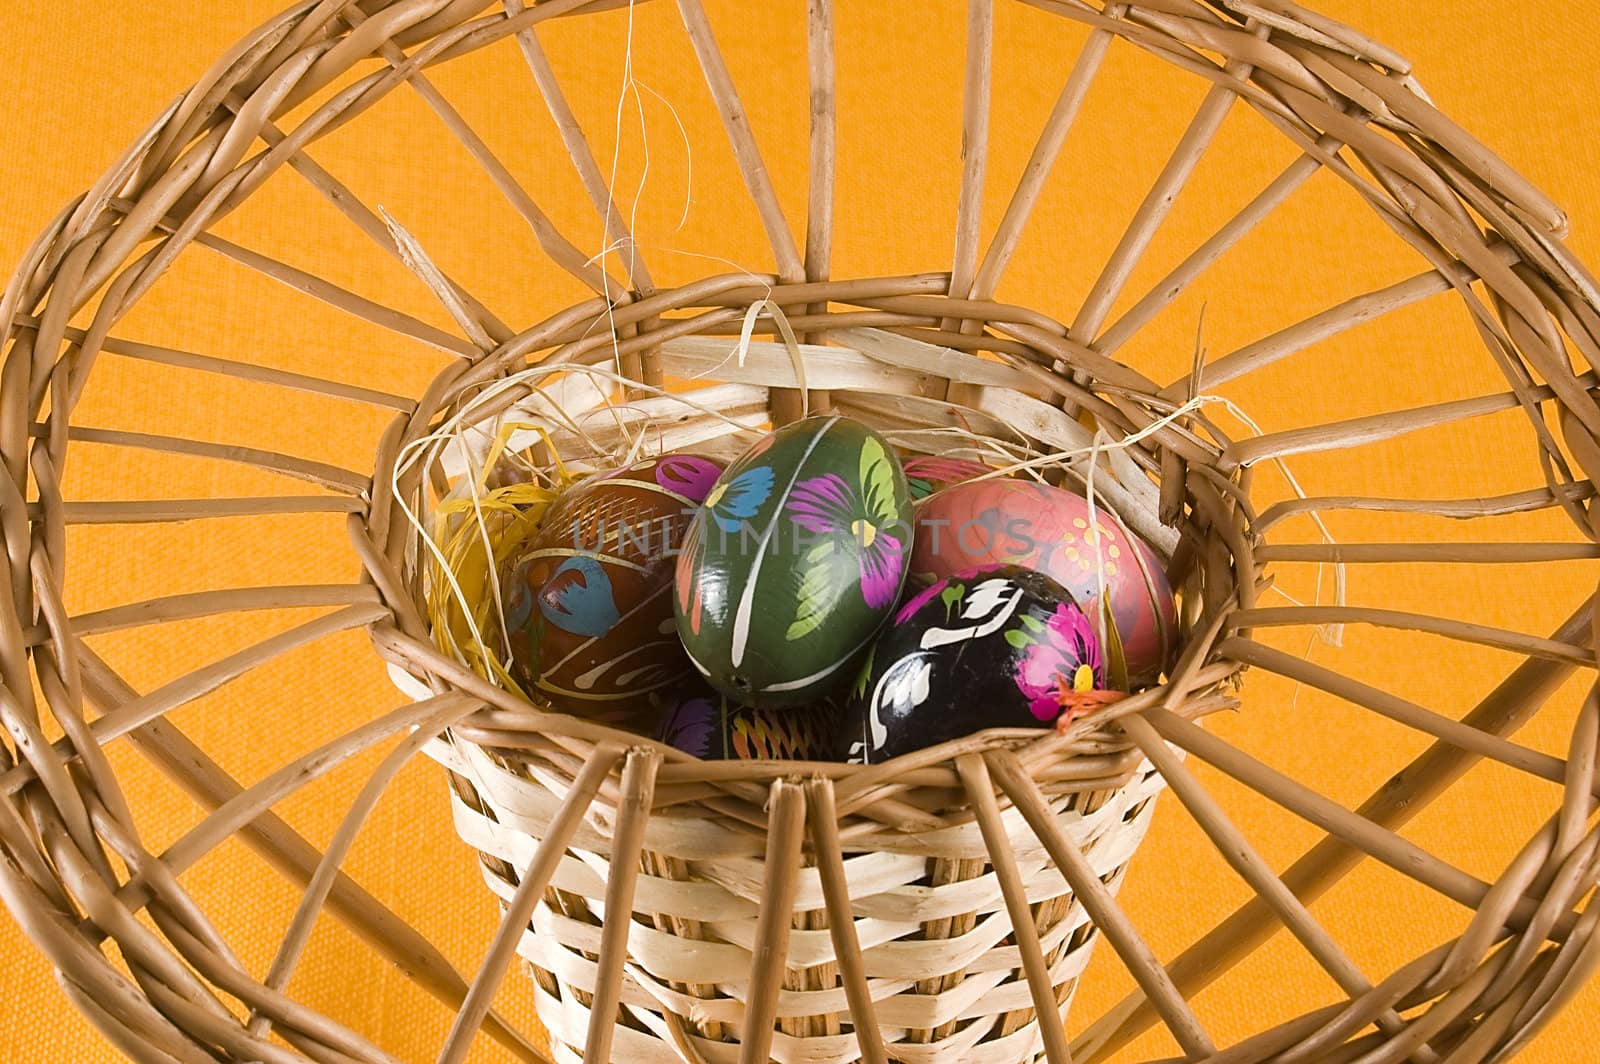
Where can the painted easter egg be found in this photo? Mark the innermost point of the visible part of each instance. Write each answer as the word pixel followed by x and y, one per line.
pixel 1022 522
pixel 589 602
pixel 928 473
pixel 995 649
pixel 796 558
pixel 706 724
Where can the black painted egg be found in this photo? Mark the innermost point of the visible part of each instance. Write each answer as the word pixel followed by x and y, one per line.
pixel 996 649
pixel 793 563
pixel 1020 522
pixel 589 602
pixel 706 724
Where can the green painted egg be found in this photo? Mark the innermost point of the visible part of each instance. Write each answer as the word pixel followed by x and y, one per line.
pixel 794 561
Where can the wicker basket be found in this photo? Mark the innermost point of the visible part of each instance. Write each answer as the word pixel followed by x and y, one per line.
pixel 937 908
pixel 815 912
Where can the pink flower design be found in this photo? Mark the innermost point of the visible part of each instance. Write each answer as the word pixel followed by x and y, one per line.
pixel 1069 642
pixel 919 600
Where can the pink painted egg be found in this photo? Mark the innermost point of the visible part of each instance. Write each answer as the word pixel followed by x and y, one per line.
pixel 1021 522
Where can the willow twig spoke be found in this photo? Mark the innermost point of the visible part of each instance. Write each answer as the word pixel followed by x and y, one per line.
pixel 560 250
pixel 1398 853
pixel 238 370
pixel 616 230
pixel 1482 634
pixel 320 473
pixel 974 143
pixel 633 812
pixel 786 832
pixel 171 751
pixel 1154 209
pixel 315 896
pixel 757 180
pixel 130 715
pixel 980 792
pixel 248 804
pixel 339 298
pixel 529 892
pixel 1102 908
pixel 366 219
pixel 1388 553
pixel 1245 860
pixel 823 820
pixel 1378 428
pixel 197 604
pixel 167 511
pixel 824 138
pixel 1045 151
pixel 1420 783
pixel 1237 228
pixel 1354 311
pixel 1459 734
pixel 1483 506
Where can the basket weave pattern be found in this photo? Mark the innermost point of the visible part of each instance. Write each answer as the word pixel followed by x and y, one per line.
pixel 855 907
pixel 929 910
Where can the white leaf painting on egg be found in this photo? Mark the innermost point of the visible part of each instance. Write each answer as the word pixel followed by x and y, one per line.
pixel 900 690
pixel 988 606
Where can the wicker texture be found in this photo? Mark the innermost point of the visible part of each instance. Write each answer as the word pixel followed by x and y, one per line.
pixel 908 906
pixel 939 905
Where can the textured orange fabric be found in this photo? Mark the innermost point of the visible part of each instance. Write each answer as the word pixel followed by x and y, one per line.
pixel 80 82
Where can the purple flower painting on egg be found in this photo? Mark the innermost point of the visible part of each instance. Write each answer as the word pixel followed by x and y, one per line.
pixel 828 506
pixel 688 475
pixel 793 562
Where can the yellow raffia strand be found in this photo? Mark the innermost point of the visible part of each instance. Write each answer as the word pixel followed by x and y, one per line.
pixel 502 440
pixel 478 536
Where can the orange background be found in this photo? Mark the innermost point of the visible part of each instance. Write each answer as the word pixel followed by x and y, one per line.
pixel 78 85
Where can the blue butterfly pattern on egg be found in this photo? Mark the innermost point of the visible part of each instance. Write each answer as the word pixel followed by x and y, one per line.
pixel 579 599
pixel 740 499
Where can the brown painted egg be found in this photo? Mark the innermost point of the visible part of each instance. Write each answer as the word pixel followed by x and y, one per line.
pixel 589 602
pixel 1022 522
pixel 707 725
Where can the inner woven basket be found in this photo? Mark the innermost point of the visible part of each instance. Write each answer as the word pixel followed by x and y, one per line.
pixel 938 903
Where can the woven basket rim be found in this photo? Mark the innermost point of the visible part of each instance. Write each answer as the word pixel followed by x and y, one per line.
pixel 509 720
